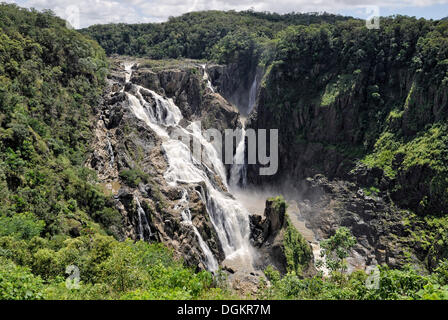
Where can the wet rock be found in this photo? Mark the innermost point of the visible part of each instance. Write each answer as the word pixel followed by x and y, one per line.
pixel 377 226
pixel 138 150
pixel 275 216
pixel 259 230
pixel 148 79
pixel 267 234
pixel 234 82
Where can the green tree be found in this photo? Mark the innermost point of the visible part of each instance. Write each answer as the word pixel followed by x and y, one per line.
pixel 18 283
pixel 336 249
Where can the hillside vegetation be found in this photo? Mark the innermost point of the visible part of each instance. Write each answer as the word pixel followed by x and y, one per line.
pixel 381 94
pixel 53 214
pixel 193 35
pixel 377 97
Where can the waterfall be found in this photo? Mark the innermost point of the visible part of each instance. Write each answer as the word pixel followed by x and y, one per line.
pixel 210 154
pixel 111 153
pixel 207 78
pixel 210 261
pixel 143 224
pixel 145 115
pixel 252 95
pixel 238 172
pixel 128 69
pixel 228 217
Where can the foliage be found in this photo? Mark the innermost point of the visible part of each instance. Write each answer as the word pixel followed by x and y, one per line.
pixel 297 250
pixel 404 284
pixel 193 35
pixel 336 248
pixel 50 81
pixel 108 270
pixel 393 284
pixel 21 225
pixel 278 204
pixel 394 79
pixel 133 177
pixel 18 283
pixel 51 78
pixel 382 93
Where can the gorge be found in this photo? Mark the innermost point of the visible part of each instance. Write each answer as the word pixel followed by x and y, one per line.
pixel 111 163
pixel 187 170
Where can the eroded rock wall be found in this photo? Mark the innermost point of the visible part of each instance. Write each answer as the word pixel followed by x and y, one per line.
pixel 131 164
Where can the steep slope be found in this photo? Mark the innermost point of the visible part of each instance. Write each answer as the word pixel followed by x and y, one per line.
pixel 55 218
pixel 379 97
pixel 361 115
pixel 137 121
pixel 51 79
pixel 365 106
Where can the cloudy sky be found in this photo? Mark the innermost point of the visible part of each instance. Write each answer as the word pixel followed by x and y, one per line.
pixel 83 13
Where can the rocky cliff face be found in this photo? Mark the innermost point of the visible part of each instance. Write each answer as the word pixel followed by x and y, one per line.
pixel 341 127
pixel 267 232
pixel 131 163
pixel 378 226
pixel 280 243
pixel 235 84
pixel 329 122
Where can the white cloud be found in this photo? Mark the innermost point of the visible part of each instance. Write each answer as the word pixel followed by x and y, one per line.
pixel 137 11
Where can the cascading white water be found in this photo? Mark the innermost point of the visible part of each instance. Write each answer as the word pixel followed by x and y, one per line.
pixel 238 172
pixel 229 218
pixel 143 224
pixel 111 153
pixel 207 78
pixel 252 95
pixel 209 154
pixel 128 71
pixel 210 261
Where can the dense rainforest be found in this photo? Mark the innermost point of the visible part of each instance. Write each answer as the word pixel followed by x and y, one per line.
pixel 54 214
pixel 193 35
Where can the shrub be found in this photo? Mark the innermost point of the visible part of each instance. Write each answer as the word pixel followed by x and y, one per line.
pixel 297 250
pixel 18 283
pixel 132 177
pixel 21 226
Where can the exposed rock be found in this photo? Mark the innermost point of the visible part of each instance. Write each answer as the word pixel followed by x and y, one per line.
pixel 123 142
pixel 268 226
pixel 188 91
pixel 377 226
pixel 234 82
pixel 267 234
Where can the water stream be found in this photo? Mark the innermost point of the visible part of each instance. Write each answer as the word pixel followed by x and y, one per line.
pixel 207 78
pixel 238 172
pixel 252 95
pixel 143 225
pixel 110 151
pixel 210 261
pixel 228 217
